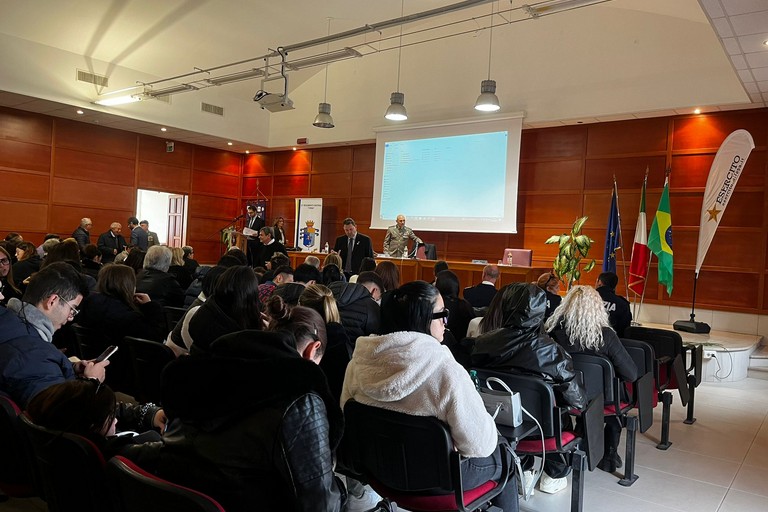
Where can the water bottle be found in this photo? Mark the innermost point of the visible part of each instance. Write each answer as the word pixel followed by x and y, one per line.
pixel 325 249
pixel 473 376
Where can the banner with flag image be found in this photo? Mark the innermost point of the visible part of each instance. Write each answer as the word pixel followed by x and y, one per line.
pixel 641 255
pixel 612 235
pixel 660 239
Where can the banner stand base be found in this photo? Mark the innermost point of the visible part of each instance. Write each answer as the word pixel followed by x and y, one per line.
pixel 689 326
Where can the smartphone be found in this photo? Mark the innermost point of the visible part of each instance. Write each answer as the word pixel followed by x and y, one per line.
pixel 106 354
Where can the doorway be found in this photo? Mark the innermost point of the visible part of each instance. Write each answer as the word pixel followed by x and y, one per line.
pixel 166 214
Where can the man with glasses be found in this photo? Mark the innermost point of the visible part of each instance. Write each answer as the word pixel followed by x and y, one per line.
pixel 29 362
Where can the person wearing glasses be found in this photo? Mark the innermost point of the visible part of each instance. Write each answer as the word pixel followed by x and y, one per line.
pixel 8 288
pixel 29 362
pixel 408 370
pixel 551 286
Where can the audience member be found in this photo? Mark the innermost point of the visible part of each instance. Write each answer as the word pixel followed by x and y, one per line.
pixel 367 265
pixel 617 306
pixel 281 275
pixel 135 259
pixel 492 320
pixel 29 362
pixel 111 243
pixel 82 234
pixel 91 260
pixel 580 324
pixel 12 239
pixel 440 266
pixel 551 286
pixel 390 275
pixel 68 251
pixel 447 283
pixel 331 274
pixel 480 296
pixel 49 241
pixel 312 260
pixel 519 346
pixel 27 262
pixel 8 288
pixel 396 239
pixel 407 370
pixel 352 247
pixel 268 247
pixel 155 281
pixel 373 283
pixel 177 268
pixel 190 263
pixel 237 253
pixel 139 236
pixel 359 312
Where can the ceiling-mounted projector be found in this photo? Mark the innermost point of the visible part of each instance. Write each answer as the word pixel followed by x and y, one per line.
pixel 273 102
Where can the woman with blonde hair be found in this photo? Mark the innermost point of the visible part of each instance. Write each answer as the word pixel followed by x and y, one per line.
pixel 177 268
pixel 580 324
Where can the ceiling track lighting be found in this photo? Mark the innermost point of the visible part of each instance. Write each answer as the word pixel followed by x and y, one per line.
pixel 488 101
pixel 396 110
pixel 323 118
pixel 553 6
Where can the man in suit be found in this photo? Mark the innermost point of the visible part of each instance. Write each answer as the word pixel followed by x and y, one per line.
pixel 111 243
pixel 352 247
pixel 82 233
pixel 396 239
pixel 480 296
pixel 254 222
pixel 139 236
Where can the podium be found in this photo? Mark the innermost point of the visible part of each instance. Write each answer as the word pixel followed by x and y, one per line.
pixel 237 239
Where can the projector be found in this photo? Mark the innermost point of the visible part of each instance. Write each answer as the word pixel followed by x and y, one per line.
pixel 273 102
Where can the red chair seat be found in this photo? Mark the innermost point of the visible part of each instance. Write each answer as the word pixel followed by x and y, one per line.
pixel 550 443
pixel 610 410
pixel 431 503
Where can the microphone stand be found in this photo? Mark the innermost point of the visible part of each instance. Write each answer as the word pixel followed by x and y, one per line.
pixel 228 225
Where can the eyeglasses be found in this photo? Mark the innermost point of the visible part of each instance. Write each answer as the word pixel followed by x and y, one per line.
pixel 75 311
pixel 5 261
pixel 441 314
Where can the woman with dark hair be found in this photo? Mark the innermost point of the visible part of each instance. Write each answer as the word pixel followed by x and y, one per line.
pixel 406 369
pixel 117 310
pixel 331 274
pixel 233 307
pixel 190 263
pixel 91 261
pixel 493 318
pixel 580 324
pixel 448 285
pixel 389 274
pixel 368 264
pixel 69 252
pixel 8 288
pixel 279 231
pixel 88 408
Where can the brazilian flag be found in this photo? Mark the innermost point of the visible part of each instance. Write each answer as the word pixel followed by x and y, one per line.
pixel 660 239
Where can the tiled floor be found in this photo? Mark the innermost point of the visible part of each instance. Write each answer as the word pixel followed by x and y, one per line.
pixel 715 465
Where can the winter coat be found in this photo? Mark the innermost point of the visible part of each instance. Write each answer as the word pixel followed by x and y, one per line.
pixel 115 319
pixel 161 287
pixel 360 314
pixel 612 348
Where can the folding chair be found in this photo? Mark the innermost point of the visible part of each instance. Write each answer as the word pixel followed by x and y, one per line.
pixel 16 475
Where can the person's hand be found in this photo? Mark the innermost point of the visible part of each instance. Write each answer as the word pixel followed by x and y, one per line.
pixel 160 421
pixel 93 370
pixel 141 298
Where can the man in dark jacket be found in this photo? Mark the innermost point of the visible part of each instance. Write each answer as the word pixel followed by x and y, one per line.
pixel 254 424
pixel 29 362
pixel 352 247
pixel 82 232
pixel 111 243
pixel 155 281
pixel 619 313
pixel 360 314
pixel 480 296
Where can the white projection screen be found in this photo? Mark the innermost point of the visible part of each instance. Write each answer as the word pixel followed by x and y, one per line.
pixel 459 176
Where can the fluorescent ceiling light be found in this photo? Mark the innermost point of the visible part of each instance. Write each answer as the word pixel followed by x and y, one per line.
pixel 236 77
pixel 119 100
pixel 325 58
pixel 171 90
pixel 553 6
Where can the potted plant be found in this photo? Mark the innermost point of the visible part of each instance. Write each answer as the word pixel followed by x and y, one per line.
pixel 573 247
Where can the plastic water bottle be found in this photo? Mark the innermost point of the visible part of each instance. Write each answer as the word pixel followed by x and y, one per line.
pixel 325 249
pixel 473 376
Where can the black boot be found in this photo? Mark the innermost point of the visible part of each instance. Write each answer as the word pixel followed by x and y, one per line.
pixel 608 462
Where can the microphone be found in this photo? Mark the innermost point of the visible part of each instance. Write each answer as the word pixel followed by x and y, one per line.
pixel 238 217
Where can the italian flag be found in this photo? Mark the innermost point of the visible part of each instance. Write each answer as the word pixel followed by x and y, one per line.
pixel 641 255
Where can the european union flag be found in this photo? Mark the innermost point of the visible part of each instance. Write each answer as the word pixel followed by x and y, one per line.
pixel 612 236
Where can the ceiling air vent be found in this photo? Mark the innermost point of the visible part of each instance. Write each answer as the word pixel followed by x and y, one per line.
pixel 212 109
pixel 92 78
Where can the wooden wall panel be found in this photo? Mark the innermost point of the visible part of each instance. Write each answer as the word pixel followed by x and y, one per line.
pixel 629 172
pixel 730 249
pixel 152 149
pixel 166 178
pixel 217 207
pixel 207 251
pixel 364 157
pixel 24 186
pixel 24 156
pixel 80 165
pixel 716 290
pixel 693 170
pixel 211 183
pixel 552 209
pixel 337 184
pixel 362 183
pixel 291 186
pixel 25 126
pixel 259 165
pixel 554 143
pixel 550 175
pixel 65 219
pixel 86 194
pixel 332 160
pixel 94 138
pixel 709 131
pixel 212 160
pixel 622 137
pixel 19 216
pixel 205 229
pixel 744 209
pixel 257 186
pixel 292 162
pixel 487 246
pixel 360 210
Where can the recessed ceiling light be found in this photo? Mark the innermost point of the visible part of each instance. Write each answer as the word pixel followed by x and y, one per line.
pixel 247 152
pixel 697 111
pixel 229 143
pixel 79 112
pixel 294 148
pixel 765 43
pixel 163 129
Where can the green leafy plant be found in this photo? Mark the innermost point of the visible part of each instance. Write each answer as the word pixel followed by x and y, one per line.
pixel 573 247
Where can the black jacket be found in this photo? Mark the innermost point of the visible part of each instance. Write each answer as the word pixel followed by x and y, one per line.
pixel 461 313
pixel 612 349
pixel 253 426
pixel 481 295
pixel 618 310
pixel 209 323
pixel 161 287
pixel 115 319
pixel 110 246
pixel 519 346
pixel 360 314
pixel 336 358
pixel 361 249
pixel 25 268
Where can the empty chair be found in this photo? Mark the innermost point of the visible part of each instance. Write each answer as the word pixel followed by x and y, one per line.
pixel 517 257
pixel 89 342
pixel 133 489
pixel 172 316
pixel 70 467
pixel 409 459
pixel 148 358
pixel 16 477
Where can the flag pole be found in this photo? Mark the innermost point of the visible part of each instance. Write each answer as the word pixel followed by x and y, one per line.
pixel 621 239
pixel 636 309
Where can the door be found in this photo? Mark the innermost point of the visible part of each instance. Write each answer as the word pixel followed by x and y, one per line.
pixel 175 220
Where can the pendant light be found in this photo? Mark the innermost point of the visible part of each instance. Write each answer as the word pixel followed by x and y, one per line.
pixel 396 110
pixel 487 101
pixel 323 118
